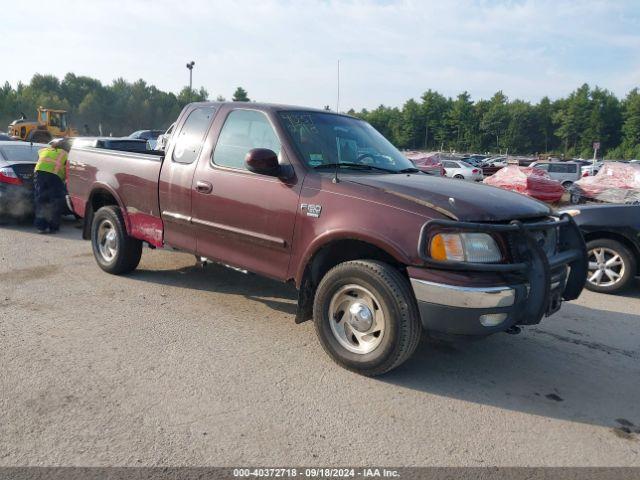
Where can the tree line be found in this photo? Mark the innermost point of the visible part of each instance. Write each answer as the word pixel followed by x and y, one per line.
pixel 96 109
pixel 566 126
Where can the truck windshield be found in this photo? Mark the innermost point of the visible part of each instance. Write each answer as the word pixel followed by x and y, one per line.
pixel 327 140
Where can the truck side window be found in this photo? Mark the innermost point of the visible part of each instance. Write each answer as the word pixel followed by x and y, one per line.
pixel 244 130
pixel 189 140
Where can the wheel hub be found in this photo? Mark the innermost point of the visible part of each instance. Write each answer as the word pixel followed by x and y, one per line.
pixel 606 267
pixel 111 239
pixel 107 240
pixel 356 318
pixel 360 317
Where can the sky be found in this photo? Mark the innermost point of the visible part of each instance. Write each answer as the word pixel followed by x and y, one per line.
pixel 287 51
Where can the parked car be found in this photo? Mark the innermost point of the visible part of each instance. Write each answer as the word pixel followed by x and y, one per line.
pixel 525 161
pixel 163 139
pixel 113 143
pixel 430 166
pixel 612 233
pixel 17 161
pixel 150 136
pixel 491 165
pixel 377 250
pixel 475 158
pixel 499 160
pixel 564 172
pixel 591 170
pixel 462 170
pixel 474 162
pixel 427 162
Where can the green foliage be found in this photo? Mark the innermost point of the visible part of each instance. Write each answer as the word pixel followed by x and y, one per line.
pixel 117 109
pixel 495 119
pixel 631 127
pixel 566 126
pixel 240 95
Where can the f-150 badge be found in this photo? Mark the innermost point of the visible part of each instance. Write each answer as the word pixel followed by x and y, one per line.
pixel 312 210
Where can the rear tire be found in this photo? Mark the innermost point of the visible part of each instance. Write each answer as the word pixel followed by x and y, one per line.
pixel 354 293
pixel 567 185
pixel 459 177
pixel 616 276
pixel 114 250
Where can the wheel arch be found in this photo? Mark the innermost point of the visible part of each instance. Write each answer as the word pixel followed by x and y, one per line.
pixel 325 255
pixel 101 196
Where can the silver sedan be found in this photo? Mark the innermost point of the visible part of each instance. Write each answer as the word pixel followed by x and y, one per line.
pixel 462 170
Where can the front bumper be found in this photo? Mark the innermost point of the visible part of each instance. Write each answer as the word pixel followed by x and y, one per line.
pixel 531 289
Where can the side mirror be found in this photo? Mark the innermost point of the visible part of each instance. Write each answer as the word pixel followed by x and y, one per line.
pixel 262 161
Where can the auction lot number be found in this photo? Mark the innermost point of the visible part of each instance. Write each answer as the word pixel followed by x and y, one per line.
pixel 314 472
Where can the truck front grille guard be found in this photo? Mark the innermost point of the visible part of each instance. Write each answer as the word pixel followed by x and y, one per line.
pixel 535 266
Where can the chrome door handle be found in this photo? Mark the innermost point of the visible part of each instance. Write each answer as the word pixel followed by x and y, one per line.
pixel 203 187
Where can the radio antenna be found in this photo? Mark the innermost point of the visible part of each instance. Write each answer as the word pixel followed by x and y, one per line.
pixel 338 92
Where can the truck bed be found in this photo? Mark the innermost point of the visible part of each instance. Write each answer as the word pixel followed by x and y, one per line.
pixel 134 176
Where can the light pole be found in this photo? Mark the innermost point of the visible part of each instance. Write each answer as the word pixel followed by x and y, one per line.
pixel 190 67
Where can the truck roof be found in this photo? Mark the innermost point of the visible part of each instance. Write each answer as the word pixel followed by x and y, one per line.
pixel 272 107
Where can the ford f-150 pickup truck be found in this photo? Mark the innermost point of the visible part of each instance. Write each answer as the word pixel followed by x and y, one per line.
pixel 378 250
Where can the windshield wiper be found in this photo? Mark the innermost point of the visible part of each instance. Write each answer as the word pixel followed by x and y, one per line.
pixel 409 170
pixel 360 166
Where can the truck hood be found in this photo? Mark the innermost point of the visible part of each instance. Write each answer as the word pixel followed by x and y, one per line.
pixel 456 199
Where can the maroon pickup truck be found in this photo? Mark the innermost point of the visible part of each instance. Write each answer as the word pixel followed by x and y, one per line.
pixel 378 250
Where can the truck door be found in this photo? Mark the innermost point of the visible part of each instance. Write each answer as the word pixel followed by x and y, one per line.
pixel 242 218
pixel 176 177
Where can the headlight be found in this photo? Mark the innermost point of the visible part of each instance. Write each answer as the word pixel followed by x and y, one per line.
pixel 465 247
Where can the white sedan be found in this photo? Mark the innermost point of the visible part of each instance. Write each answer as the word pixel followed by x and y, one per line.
pixel 462 170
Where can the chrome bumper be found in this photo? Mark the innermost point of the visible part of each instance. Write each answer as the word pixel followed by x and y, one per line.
pixel 463 297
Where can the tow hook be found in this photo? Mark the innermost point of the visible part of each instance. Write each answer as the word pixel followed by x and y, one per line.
pixel 513 330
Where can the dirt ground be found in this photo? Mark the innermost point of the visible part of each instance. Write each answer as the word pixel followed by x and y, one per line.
pixel 175 365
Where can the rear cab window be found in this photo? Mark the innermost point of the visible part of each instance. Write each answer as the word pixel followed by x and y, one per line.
pixel 188 141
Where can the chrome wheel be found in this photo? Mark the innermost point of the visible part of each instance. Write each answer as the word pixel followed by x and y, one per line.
pixel 606 267
pixel 356 319
pixel 107 240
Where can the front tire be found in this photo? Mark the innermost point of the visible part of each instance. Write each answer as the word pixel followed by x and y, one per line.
pixel 114 250
pixel 365 316
pixel 612 266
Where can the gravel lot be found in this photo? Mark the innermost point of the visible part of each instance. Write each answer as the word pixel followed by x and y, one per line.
pixel 175 365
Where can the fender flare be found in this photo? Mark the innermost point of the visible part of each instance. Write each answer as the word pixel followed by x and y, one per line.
pixel 374 238
pixel 88 215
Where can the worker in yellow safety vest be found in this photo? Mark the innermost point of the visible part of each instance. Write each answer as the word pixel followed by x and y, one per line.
pixel 49 185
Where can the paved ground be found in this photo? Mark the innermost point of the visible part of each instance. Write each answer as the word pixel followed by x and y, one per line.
pixel 175 365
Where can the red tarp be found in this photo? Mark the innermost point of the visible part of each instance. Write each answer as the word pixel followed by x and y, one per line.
pixel 528 181
pixel 615 183
pixel 423 158
pixel 428 161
